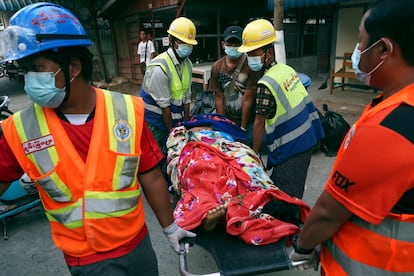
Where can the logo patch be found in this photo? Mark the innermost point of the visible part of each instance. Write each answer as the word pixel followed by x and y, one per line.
pixel 122 130
pixel 38 144
pixel 341 181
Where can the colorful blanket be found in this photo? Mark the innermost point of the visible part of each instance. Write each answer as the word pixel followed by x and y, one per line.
pixel 209 168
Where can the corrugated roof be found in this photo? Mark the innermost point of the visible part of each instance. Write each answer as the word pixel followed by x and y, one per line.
pixel 14 5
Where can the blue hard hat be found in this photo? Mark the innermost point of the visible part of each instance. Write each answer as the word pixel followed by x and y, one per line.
pixel 39 27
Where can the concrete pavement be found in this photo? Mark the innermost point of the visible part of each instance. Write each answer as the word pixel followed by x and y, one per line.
pixel 30 250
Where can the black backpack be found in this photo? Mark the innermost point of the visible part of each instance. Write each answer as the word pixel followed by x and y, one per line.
pixel 335 128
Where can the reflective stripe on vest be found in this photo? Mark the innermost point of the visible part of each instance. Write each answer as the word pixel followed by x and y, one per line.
pixel 384 249
pixel 120 109
pixel 34 132
pixel 178 85
pixel 110 204
pixel 285 112
pixel 70 216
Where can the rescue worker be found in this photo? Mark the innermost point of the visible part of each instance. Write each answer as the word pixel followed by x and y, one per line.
pixel 166 88
pixel 365 215
pixel 285 114
pixel 88 151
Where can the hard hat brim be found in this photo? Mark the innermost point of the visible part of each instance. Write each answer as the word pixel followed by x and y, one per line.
pixel 185 40
pixel 246 49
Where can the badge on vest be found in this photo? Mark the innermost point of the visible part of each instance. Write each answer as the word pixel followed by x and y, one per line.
pixel 38 144
pixel 122 130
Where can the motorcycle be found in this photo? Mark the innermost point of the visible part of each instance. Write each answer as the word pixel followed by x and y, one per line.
pixel 22 194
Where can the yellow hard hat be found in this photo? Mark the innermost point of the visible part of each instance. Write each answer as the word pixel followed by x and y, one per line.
pixel 257 34
pixel 183 29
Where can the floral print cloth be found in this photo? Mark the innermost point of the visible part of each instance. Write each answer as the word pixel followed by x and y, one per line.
pixel 209 168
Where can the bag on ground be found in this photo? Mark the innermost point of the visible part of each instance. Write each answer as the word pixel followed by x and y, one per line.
pixel 335 128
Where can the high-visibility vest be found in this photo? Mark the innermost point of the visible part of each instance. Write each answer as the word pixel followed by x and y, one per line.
pixel 296 126
pixel 179 87
pixel 362 248
pixel 92 206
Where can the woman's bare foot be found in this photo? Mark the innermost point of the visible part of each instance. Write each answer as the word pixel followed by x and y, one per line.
pixel 214 216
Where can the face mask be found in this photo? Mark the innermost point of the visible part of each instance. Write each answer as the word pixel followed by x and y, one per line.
pixel 255 63
pixel 40 86
pixel 232 52
pixel 356 57
pixel 184 50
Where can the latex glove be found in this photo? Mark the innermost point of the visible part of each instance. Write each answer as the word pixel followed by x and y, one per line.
pixel 174 234
pixel 304 261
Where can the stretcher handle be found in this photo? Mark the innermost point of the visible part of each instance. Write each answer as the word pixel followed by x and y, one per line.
pixel 183 264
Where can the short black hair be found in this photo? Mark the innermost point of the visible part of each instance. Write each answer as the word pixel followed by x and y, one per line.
pixel 393 19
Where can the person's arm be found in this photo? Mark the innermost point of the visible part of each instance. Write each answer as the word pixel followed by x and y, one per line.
pixel 155 189
pixel 152 49
pixel 166 114
pixel 186 111
pixel 138 53
pixel 10 169
pixel 157 84
pixel 325 219
pixel 247 105
pixel 214 86
pixel 219 101
pixel 258 131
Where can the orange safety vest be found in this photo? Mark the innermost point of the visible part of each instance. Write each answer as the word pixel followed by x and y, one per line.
pixel 363 248
pixel 92 206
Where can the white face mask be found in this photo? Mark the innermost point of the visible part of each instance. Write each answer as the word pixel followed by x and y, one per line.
pixel 356 57
pixel 40 86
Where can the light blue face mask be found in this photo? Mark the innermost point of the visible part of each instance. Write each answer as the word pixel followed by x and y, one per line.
pixel 356 58
pixel 255 63
pixel 40 86
pixel 184 50
pixel 232 52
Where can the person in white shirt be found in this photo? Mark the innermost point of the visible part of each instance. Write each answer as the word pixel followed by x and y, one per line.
pixel 146 51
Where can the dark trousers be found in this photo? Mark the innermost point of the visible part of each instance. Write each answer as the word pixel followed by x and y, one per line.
pixel 140 261
pixel 290 176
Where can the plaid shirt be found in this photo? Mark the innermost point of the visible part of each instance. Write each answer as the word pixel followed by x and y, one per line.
pixel 265 102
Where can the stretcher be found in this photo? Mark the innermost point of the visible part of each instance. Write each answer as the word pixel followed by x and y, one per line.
pixel 204 165
pixel 235 257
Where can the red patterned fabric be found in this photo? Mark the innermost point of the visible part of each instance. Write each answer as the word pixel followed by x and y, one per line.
pixel 245 219
pixel 210 178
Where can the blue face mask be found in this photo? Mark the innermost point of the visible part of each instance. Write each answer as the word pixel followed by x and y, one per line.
pixel 184 50
pixel 40 86
pixel 255 63
pixel 232 52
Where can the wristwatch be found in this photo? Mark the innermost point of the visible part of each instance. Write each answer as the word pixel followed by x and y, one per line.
pixel 300 250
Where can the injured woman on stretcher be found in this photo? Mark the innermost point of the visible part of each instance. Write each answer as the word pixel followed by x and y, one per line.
pixel 221 180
